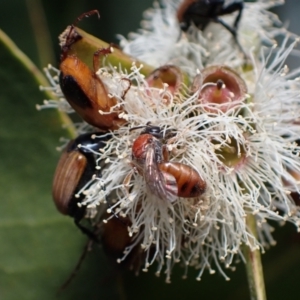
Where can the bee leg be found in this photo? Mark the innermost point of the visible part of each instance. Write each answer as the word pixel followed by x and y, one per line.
pixel 165 153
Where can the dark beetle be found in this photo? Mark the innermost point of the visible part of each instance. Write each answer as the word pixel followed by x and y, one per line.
pixel 202 12
pixel 74 170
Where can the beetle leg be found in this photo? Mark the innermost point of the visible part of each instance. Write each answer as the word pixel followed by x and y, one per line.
pixel 233 31
pixel 127 88
pixel 235 6
pixel 70 39
pixel 86 15
pixel 98 53
pixel 86 231
pixel 87 248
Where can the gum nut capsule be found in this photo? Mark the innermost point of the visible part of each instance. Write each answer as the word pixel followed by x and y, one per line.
pixel 166 77
pixel 220 86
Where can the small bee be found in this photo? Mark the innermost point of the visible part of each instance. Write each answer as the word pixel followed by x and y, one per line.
pixel 202 12
pixel 81 86
pixel 167 180
pixel 74 170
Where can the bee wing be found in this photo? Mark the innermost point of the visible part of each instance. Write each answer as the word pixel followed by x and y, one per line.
pixel 170 185
pixel 160 183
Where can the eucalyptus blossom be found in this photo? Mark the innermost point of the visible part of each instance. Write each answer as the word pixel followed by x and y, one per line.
pixel 236 126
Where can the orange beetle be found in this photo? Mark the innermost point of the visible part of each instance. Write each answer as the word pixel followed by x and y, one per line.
pixel 83 89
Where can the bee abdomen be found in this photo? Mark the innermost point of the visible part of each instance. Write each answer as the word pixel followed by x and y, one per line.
pixel 189 182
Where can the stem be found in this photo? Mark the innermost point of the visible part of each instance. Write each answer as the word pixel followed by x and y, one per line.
pixel 254 266
pixel 84 46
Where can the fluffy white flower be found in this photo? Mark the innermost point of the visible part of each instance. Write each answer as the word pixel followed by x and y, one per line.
pixel 245 154
pixel 161 41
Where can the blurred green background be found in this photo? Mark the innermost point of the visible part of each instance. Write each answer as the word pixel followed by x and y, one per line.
pixel 39 247
pixel 25 21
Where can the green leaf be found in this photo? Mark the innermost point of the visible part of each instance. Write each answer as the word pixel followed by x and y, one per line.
pixel 39 247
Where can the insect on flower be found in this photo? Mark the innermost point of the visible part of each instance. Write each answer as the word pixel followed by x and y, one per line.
pixel 202 12
pixel 74 171
pixel 81 86
pixel 167 180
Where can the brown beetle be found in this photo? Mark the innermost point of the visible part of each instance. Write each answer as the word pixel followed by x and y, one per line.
pixel 81 86
pixel 74 170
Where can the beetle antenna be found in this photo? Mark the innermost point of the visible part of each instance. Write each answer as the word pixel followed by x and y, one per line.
pixel 101 52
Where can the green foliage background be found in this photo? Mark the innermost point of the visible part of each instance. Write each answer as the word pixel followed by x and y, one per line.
pixel 39 247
